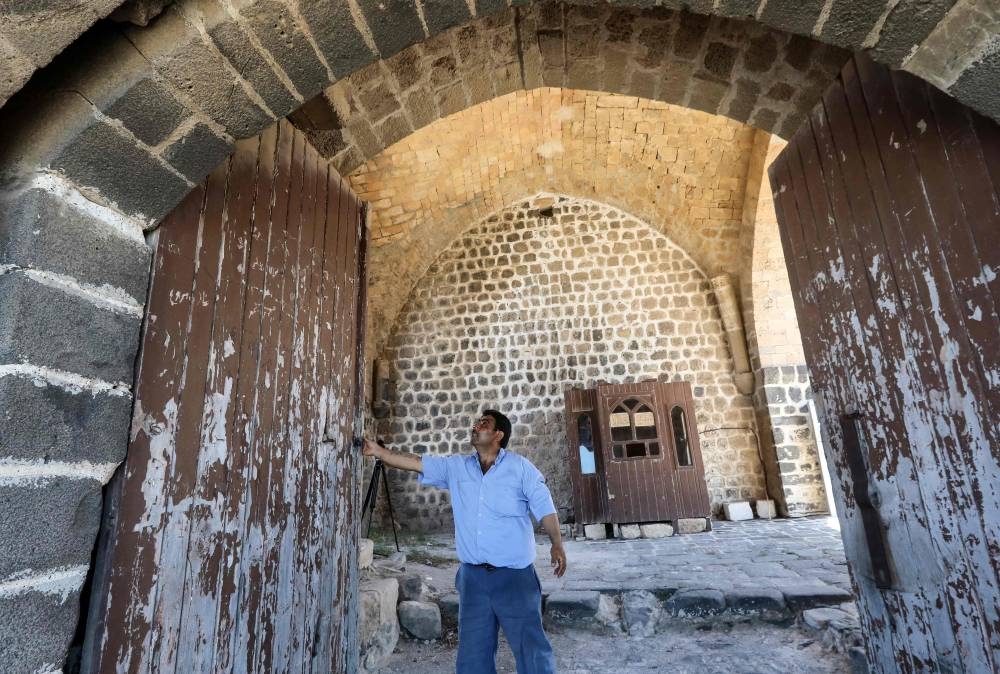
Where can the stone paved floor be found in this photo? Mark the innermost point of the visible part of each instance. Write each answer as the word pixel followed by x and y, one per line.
pixel 728 649
pixel 759 553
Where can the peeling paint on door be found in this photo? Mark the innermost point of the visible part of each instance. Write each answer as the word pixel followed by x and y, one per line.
pixel 235 545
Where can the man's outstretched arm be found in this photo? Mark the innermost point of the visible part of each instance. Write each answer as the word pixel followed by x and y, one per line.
pixel 551 525
pixel 401 460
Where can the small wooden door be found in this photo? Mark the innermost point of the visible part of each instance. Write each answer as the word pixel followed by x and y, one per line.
pixel 233 547
pixel 590 487
pixel 652 460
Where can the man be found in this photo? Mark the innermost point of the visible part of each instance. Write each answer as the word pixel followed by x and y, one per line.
pixel 492 492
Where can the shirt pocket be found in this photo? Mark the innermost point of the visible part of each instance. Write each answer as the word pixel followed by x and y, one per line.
pixel 506 500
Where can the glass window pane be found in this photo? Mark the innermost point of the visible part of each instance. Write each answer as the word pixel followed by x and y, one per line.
pixel 681 440
pixel 617 451
pixel 588 464
pixel 635 449
pixel 654 449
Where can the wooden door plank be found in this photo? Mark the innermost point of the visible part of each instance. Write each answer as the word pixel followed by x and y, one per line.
pixel 252 634
pixel 273 604
pixel 181 483
pixel 143 505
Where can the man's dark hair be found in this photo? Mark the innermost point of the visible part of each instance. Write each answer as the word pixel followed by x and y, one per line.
pixel 501 423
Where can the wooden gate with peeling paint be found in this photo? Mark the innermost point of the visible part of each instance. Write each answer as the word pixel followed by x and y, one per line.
pixel 234 545
pixel 889 204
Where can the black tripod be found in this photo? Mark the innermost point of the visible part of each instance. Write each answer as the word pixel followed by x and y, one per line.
pixel 372 496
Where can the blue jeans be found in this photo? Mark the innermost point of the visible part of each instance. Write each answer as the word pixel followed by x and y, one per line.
pixel 502 597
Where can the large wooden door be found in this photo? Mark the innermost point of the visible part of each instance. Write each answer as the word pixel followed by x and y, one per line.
pixel 888 200
pixel 234 545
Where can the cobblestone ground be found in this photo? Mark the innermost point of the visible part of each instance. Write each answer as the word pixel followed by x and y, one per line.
pixel 754 648
pixel 777 554
pixel 783 555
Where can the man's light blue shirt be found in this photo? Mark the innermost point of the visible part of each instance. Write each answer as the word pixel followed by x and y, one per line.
pixel 491 511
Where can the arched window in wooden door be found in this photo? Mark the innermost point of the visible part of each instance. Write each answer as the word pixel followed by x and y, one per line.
pixel 633 430
pixel 678 420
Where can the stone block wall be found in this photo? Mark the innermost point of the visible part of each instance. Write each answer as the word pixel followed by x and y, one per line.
pixel 790 435
pixel 553 292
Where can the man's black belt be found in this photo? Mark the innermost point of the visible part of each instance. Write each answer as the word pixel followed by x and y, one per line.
pixel 488 567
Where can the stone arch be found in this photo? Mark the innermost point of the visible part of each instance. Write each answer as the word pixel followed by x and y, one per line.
pixel 644 313
pixel 948 44
pixel 151 94
pixel 738 69
pixel 110 136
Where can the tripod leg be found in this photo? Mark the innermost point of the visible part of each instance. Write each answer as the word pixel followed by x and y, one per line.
pixel 392 518
pixel 376 476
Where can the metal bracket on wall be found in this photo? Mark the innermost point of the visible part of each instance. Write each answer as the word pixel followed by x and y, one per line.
pixel 856 454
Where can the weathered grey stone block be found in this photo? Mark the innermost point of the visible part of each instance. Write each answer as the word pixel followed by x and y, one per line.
pixel 660 530
pixel 149 111
pixel 908 23
pixel 807 596
pixel 45 326
pixel 443 14
pixel 792 16
pixel 338 38
pixel 630 531
pixel 197 153
pixel 640 612
pixel 394 563
pixel 234 43
pixel 850 22
pixel 102 158
pixel 413 588
pixel 278 31
pixel 737 511
pixel 379 625
pixel 421 619
pixel 43 421
pixel 695 603
pixel 595 532
pixel 366 553
pixel 487 7
pixel 176 50
pixel 43 231
pixel 572 606
pixel 766 510
pixel 449 608
pixel 819 618
pixel 61 513
pixel 395 24
pixel 37 629
pixel 691 525
pixel 755 600
pixel 976 85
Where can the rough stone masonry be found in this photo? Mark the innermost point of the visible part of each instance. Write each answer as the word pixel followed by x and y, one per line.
pixel 553 292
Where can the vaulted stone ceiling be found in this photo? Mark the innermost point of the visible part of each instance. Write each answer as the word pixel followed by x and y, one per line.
pixel 681 170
